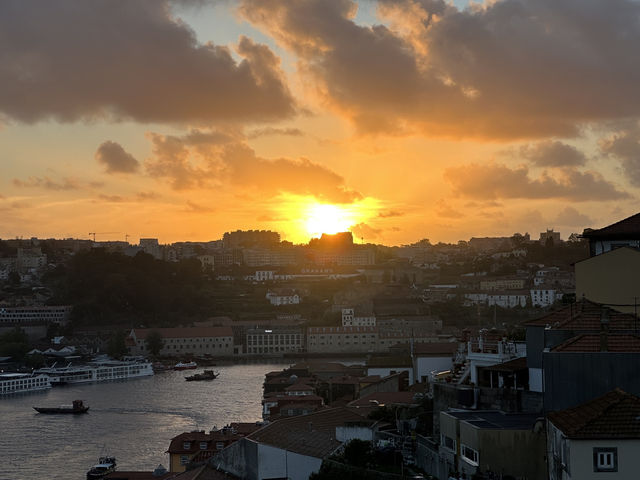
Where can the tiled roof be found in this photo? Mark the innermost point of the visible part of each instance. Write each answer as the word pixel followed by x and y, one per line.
pixel 313 434
pixel 345 380
pixel 185 332
pixel 628 228
pixel 340 330
pixel 614 415
pixel 299 387
pixel 384 398
pixel 592 343
pixel 584 315
pixel 131 475
pixel 514 365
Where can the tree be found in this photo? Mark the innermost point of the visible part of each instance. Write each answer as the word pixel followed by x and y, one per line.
pixel 357 452
pixel 154 342
pixel 116 347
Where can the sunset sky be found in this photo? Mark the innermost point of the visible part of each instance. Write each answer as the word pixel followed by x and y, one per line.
pixel 396 119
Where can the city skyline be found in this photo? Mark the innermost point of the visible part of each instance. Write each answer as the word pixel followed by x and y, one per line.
pixel 395 119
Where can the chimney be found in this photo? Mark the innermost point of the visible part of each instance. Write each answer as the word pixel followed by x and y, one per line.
pixel 604 330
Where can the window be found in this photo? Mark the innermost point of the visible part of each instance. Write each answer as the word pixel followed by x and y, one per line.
pixel 448 442
pixel 605 459
pixel 186 445
pixel 184 459
pixel 203 445
pixel 219 445
pixel 469 454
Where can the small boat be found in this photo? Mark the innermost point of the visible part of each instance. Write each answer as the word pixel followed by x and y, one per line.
pixel 206 375
pixel 185 366
pixel 76 407
pixel 105 466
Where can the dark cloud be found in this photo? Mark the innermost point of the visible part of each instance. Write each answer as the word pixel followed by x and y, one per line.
pixel 115 159
pixel 190 164
pixel 504 69
pixel 495 181
pixel 569 216
pixel 112 198
pixel 262 132
pixel 551 154
pixel 48 183
pixel 625 145
pixel 74 60
pixel 143 196
pixel 194 207
pixel 390 214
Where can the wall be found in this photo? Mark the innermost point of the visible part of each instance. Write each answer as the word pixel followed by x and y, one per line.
pixel 581 459
pixel 277 463
pixel 613 277
pixel 385 371
pixel 574 378
pixel 520 453
pixel 426 365
pixel 239 458
pixel 346 434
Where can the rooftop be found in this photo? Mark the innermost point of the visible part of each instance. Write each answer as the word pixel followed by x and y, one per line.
pixel 614 415
pixel 496 420
pixel 593 343
pixel 584 315
pixel 185 332
pixel 384 398
pixel 627 228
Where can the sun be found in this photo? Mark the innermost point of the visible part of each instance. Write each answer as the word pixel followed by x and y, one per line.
pixel 327 218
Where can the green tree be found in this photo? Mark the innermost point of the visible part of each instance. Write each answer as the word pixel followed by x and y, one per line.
pixel 116 347
pixel 14 344
pixel 154 342
pixel 358 452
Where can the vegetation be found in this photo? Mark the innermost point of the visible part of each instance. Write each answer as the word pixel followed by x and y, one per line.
pixel 116 347
pixel 154 342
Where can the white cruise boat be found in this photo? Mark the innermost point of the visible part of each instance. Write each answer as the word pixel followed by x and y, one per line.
pixel 23 383
pixel 100 371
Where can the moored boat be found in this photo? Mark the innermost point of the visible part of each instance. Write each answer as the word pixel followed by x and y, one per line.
pixel 105 466
pixel 206 375
pixel 11 383
pixel 99 371
pixel 76 407
pixel 185 366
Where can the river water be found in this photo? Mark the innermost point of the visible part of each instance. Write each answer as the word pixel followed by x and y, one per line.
pixel 132 420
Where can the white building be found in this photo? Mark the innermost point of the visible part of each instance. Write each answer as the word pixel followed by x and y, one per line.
pixel 214 341
pixel 283 297
pixel 595 440
pixel 544 296
pixel 35 315
pixel 351 319
pixel 274 341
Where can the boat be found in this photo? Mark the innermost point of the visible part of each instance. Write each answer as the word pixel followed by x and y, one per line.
pixel 185 366
pixel 76 407
pixel 98 371
pixel 206 375
pixel 105 466
pixel 11 383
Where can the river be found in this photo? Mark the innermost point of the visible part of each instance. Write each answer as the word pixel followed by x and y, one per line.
pixel 132 420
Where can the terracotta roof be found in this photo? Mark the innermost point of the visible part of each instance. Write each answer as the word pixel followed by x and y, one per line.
pixel 628 228
pixel 614 415
pixel 384 398
pixel 126 475
pixel 340 330
pixel 205 472
pixel 313 434
pixel 435 348
pixel 592 343
pixel 299 387
pixel 345 380
pixel 514 365
pixel 185 332
pixel 245 428
pixel 370 379
pixel 584 315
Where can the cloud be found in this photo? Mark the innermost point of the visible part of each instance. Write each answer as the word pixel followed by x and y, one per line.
pixel 112 198
pixel 498 181
pixel 390 214
pixel 569 216
pixel 362 230
pixel 447 211
pixel 144 196
pixel 115 159
pixel 503 69
pixel 48 184
pixel 550 154
pixel 194 207
pixel 625 145
pixel 201 159
pixel 71 61
pixel 266 131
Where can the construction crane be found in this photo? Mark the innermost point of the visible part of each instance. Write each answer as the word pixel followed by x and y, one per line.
pixel 100 233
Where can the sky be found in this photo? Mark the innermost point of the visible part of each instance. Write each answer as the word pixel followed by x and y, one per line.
pixel 395 119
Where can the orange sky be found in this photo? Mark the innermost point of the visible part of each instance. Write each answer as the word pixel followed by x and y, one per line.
pixel 397 119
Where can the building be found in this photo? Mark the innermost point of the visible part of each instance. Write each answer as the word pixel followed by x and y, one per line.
pixel 214 341
pixel 544 296
pixel 503 283
pixel 342 339
pixel 625 233
pixel 431 358
pixel 597 439
pixel 612 277
pixel 17 316
pixel 151 246
pixel 291 447
pixel 276 340
pixel 285 296
pixel 493 442
pixel 353 318
pixel 198 446
pixel 249 238
pixel 549 236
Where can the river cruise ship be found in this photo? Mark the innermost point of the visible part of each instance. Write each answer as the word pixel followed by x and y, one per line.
pixel 102 371
pixel 23 383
